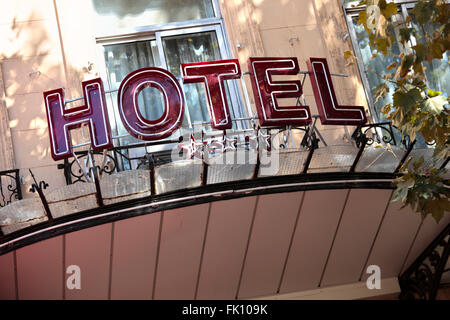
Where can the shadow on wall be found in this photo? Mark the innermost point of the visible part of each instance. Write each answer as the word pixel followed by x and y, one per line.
pixel 31 63
pixel 310 28
pixel 303 29
pixel 168 10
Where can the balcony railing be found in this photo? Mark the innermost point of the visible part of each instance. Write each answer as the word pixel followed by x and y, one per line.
pixel 421 281
pixel 310 154
pixel 9 187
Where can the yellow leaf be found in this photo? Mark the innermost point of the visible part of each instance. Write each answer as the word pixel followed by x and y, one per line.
pixel 390 10
pixel 348 54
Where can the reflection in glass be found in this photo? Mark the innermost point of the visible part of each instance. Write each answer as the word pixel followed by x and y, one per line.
pixel 375 68
pixel 135 13
pixel 438 73
pixel 122 59
pixel 188 48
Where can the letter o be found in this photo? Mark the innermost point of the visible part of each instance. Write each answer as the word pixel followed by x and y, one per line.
pixel 132 119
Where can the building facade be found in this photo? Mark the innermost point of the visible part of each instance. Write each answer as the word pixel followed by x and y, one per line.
pixel 239 244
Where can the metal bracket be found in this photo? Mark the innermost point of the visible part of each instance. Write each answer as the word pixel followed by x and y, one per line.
pixel 39 187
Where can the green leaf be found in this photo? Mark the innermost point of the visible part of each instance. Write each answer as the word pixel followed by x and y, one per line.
pixel 389 10
pixel 421 52
pixel 402 190
pixel 382 4
pixel 437 208
pixel 418 69
pixel 362 19
pixel 399 194
pixel 407 100
pixel 436 49
pixel 423 11
pixel 407 63
pixel 383 45
pixel 405 34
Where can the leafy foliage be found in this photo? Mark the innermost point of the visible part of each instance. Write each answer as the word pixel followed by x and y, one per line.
pixel 417 109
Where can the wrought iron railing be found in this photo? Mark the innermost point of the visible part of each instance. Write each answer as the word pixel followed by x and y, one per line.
pixel 78 168
pixel 422 279
pixel 9 187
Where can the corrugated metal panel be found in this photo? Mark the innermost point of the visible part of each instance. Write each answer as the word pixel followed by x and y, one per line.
pixel 134 257
pixel 271 235
pixel 182 235
pixel 40 270
pixel 226 242
pixel 316 227
pixel 253 246
pixel 90 250
pixel 429 230
pixel 7 277
pixel 393 241
pixel 359 224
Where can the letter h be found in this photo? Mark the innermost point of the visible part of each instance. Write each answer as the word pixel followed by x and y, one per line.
pixel 62 120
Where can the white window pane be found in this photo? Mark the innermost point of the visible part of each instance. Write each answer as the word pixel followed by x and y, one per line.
pixel 122 59
pixel 198 47
pixel 375 68
pixel 134 13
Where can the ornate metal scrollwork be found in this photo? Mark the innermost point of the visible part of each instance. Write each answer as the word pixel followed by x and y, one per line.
pixel 374 132
pixel 39 187
pixel 287 130
pixel 310 140
pixel 9 187
pixel 360 137
pixel 422 279
pixel 42 185
pixel 78 169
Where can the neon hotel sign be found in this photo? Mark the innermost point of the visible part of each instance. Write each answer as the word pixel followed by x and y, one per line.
pixel 212 74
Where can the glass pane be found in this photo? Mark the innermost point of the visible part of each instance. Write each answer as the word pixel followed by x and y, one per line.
pixel 438 73
pixel 375 68
pixel 134 13
pixel 438 76
pixel 187 48
pixel 122 59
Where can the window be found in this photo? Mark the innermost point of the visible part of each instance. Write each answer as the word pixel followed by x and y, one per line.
pixel 371 70
pixel 162 33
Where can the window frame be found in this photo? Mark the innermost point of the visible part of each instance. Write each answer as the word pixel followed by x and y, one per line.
pixel 351 10
pixel 157 32
pixel 118 33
